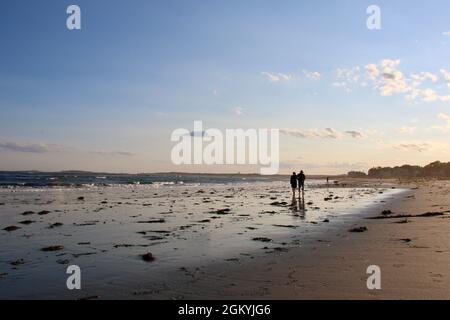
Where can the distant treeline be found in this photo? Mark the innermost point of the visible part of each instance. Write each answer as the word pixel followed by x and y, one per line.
pixel 435 169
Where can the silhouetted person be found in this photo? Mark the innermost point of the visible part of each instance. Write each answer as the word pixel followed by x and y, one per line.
pixel 293 183
pixel 301 181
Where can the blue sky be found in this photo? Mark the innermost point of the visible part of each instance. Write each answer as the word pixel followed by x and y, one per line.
pixel 108 96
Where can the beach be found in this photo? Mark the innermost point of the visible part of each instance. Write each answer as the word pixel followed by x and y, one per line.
pixel 226 240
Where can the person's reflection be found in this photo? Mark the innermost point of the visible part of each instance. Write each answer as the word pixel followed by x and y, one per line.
pixel 301 205
pixel 294 205
pixel 298 207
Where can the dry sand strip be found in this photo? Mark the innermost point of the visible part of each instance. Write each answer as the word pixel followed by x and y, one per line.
pixel 413 254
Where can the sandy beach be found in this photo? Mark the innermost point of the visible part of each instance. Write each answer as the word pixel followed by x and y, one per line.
pixel 225 241
pixel 412 253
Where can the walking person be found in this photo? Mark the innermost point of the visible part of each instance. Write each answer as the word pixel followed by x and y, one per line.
pixel 301 181
pixel 293 183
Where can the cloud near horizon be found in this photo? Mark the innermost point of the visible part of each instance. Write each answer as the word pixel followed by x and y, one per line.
pixel 28 147
pixel 276 77
pixel 42 148
pixel 327 133
pixel 333 165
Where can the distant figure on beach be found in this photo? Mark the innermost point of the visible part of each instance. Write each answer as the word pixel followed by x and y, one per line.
pixel 293 183
pixel 301 181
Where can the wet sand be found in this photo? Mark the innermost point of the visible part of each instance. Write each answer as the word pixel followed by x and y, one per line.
pixel 222 241
pixel 412 252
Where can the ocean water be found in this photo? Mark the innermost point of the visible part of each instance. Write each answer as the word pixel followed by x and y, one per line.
pixel 12 179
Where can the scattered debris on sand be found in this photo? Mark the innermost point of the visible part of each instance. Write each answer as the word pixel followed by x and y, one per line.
pixel 222 211
pixel 17 262
pixel 52 248
pixel 126 245
pixel 55 225
pixel 26 222
pixel 11 228
pixel 358 229
pixel 285 226
pixel 423 215
pixel 153 221
pixel 279 204
pixel 262 239
pixel 148 257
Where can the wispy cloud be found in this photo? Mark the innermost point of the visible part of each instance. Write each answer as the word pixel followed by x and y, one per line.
pixel 413 146
pixel 407 129
pixel 29 147
pixel 41 148
pixel 312 74
pixel 277 77
pixel 327 133
pixel 446 33
pixel 443 128
pixel 330 165
pixel 355 134
pixel 113 153
pixel 239 111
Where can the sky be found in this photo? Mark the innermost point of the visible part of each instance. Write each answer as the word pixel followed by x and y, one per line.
pixel 107 97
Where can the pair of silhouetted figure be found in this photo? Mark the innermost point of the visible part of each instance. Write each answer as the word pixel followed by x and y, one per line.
pixel 298 181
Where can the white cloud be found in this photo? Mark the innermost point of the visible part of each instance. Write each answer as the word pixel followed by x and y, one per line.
pixel 41 148
pixel 423 76
pixel 446 74
pixel 112 153
pixel 407 129
pixel 331 165
pixel 355 134
pixel 413 146
pixel 387 78
pixel 349 74
pixel 446 33
pixel 276 77
pixel 444 128
pixel 238 111
pixel 327 133
pixel 29 147
pixel 343 85
pixel 389 63
pixel 372 71
pixel 312 74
